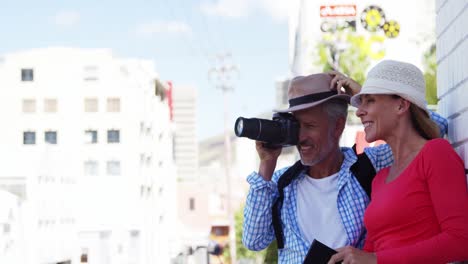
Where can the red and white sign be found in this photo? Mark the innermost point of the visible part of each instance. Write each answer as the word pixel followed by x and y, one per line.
pixel 337 10
pixel 170 100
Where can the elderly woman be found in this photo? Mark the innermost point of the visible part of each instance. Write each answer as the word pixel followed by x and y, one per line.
pixel 419 206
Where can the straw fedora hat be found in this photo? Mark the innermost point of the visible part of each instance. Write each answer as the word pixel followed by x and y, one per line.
pixel 308 91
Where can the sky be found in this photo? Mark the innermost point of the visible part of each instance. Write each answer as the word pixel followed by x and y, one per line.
pixel 184 38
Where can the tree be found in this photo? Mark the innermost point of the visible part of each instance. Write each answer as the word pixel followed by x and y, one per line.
pixel 241 251
pixel 348 53
pixel 351 54
pixel 430 75
pixel 271 254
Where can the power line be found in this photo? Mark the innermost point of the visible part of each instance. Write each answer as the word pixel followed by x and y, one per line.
pixel 213 39
pixel 219 34
pixel 189 43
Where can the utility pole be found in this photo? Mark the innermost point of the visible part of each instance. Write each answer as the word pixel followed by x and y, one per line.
pixel 223 73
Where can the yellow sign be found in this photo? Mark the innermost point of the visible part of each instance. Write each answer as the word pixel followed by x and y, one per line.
pixel 373 18
pixel 391 29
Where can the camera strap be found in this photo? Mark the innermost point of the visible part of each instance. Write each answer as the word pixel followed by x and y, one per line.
pixel 362 169
pixel 288 176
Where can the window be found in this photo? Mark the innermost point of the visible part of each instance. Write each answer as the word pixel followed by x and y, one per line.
pixel 220 230
pixel 113 104
pixel 149 160
pixel 91 168
pixel 91 105
pixel 29 138
pixel 90 73
pixel 50 105
pixel 113 167
pixel 84 255
pixel 84 258
pixel 192 204
pixel 27 75
pixel 50 137
pixel 113 136
pixel 105 235
pixel 29 105
pixel 6 228
pixel 91 136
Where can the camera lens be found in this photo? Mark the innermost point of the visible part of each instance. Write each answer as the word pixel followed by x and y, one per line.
pixel 239 126
pixel 247 127
pixel 282 131
pixel 259 129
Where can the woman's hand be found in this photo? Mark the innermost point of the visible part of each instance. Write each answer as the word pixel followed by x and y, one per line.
pixel 351 255
pixel 340 80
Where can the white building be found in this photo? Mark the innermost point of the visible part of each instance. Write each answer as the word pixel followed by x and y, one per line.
pixel 452 70
pixel 185 136
pixel 312 20
pixel 10 223
pixel 89 151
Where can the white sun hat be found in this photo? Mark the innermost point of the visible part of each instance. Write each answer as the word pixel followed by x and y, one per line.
pixel 395 77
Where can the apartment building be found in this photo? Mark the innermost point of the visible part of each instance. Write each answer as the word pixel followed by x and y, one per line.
pixel 185 134
pixel 88 145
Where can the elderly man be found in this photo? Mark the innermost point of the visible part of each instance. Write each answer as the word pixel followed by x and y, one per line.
pixel 324 200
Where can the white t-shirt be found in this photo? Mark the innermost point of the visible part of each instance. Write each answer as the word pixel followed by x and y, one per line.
pixel 317 212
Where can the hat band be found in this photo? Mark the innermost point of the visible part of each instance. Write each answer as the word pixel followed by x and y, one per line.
pixel 310 98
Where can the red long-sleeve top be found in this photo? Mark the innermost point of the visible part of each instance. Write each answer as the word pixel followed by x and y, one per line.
pixel 422 215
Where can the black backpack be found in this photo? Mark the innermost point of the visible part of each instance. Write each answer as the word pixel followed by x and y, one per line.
pixel 362 169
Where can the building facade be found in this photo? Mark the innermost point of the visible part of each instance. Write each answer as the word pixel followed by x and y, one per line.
pixel 389 30
pixel 452 70
pixel 89 145
pixel 185 132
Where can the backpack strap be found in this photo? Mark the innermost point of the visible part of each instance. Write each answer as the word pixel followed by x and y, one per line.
pixel 364 171
pixel 288 176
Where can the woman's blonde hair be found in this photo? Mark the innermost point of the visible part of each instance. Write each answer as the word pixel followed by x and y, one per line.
pixel 423 124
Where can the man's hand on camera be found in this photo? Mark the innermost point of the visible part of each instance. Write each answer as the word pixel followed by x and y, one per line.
pixel 268 158
pixel 340 80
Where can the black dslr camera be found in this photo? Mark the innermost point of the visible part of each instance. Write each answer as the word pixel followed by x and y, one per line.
pixel 282 131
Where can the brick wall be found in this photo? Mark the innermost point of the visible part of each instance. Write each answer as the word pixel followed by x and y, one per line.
pixel 452 69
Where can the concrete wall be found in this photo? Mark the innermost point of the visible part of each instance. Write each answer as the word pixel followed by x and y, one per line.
pixel 452 69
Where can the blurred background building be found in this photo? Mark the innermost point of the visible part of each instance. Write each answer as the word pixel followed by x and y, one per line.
pixel 91 171
pixel 399 29
pixel 184 112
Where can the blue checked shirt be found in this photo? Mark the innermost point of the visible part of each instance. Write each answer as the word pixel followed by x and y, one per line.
pixel 351 203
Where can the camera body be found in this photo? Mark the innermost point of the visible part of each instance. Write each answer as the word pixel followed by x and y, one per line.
pixel 281 131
